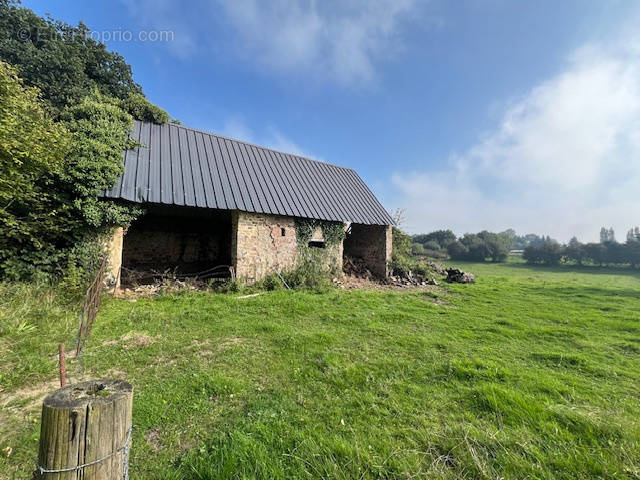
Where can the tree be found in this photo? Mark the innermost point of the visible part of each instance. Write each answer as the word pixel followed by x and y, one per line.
pixel 477 247
pixel 548 252
pixel 432 245
pixel 575 251
pixel 33 150
pixel 66 64
pixel 497 245
pixel 457 250
pixel 595 252
pixel 87 96
pixel 607 235
pixel 417 249
pixel 442 237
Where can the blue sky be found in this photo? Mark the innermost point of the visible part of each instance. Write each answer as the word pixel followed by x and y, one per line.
pixel 465 114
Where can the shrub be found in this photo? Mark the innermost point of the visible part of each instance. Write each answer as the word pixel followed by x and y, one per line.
pixel 432 245
pixel 442 237
pixel 458 251
pixel 548 252
pixel 417 249
pixel 401 244
pixel 140 108
pixel 312 270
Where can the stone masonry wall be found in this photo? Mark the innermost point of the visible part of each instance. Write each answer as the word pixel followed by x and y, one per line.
pixel 264 244
pixel 373 244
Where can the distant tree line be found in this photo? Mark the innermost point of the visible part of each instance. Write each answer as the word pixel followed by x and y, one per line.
pixel 536 249
pixel 607 252
pixel 477 247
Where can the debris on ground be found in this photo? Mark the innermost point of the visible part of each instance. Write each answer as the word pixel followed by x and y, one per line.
pixel 455 275
pixel 356 267
pixel 427 274
pixel 164 286
pixel 412 279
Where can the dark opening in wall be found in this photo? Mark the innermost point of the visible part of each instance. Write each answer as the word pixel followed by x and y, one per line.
pixel 368 243
pixel 283 232
pixel 317 244
pixel 179 240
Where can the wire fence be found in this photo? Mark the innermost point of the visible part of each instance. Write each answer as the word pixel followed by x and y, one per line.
pixel 90 306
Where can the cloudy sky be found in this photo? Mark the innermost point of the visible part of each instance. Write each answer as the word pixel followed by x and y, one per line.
pixel 467 115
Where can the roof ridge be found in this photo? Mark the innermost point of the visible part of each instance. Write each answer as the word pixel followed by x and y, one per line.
pixel 179 125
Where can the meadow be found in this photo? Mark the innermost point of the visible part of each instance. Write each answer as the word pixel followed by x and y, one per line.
pixel 532 372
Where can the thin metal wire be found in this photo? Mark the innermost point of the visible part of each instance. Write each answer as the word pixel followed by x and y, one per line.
pixel 125 460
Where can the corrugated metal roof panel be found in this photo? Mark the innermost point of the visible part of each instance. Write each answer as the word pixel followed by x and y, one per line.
pixel 182 166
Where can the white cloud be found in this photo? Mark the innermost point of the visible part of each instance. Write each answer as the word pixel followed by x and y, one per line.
pixel 338 41
pixel 235 127
pixel 335 40
pixel 564 160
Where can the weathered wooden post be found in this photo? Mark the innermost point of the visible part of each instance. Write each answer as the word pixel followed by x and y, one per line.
pixel 86 432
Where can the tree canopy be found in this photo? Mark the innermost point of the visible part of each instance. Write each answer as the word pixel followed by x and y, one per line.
pixel 67 107
pixel 66 64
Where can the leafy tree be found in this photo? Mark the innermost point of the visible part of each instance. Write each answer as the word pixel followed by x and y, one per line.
pixel 32 152
pixel 66 64
pixel 497 245
pixel 401 243
pixel 442 237
pixel 607 235
pixel 548 252
pixel 596 252
pixel 632 252
pixel 417 249
pixel 458 251
pixel 57 218
pixel 432 245
pixel 575 251
pixel 54 173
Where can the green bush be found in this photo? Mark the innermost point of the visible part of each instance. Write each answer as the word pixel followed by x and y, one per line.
pixel 312 271
pixel 142 109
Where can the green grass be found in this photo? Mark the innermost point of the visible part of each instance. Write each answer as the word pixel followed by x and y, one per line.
pixel 532 372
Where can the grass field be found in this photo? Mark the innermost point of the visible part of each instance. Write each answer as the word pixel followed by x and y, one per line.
pixel 531 373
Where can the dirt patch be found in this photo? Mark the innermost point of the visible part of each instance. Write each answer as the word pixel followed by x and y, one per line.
pixel 134 340
pixel 153 438
pixel 230 342
pixel 31 394
pixel 131 340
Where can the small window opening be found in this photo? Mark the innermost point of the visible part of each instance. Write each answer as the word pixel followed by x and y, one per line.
pixel 316 244
pixel 283 232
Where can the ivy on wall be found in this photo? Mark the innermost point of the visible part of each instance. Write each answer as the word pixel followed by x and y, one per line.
pixel 333 232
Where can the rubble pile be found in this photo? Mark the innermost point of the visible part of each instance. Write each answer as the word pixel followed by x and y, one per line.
pixel 411 279
pixel 455 275
pixel 356 267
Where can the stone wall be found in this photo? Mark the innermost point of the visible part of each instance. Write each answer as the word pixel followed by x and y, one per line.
pixel 264 244
pixel 373 244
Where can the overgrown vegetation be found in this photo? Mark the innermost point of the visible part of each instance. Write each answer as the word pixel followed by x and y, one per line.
pixel 315 266
pixel 530 373
pixel 67 106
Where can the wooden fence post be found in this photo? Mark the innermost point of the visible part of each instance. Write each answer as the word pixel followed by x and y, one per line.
pixel 86 432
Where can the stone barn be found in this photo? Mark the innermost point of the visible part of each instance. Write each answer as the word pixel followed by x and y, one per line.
pixel 214 201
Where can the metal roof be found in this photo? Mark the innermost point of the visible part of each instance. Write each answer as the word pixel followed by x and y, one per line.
pixel 176 165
